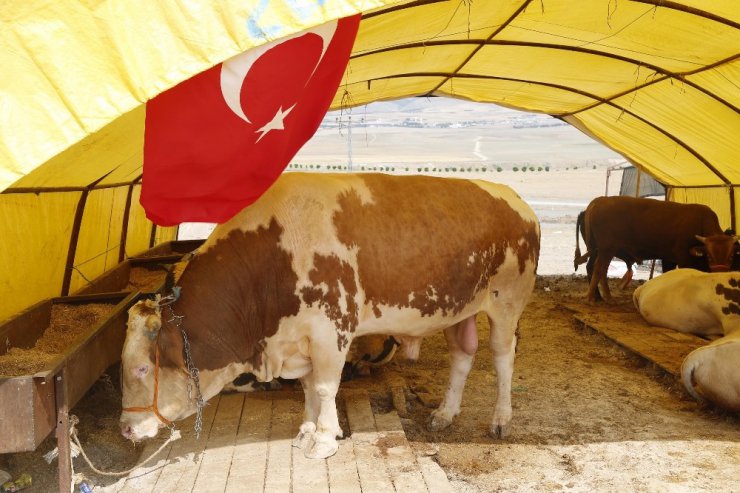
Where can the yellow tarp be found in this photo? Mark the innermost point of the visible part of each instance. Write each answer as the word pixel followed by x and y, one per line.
pixel 657 81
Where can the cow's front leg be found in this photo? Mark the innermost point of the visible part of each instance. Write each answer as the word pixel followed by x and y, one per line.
pixel 503 346
pixel 310 414
pixel 462 342
pixel 327 362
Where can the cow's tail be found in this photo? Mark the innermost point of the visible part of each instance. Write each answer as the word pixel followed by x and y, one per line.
pixel 688 367
pixel 577 259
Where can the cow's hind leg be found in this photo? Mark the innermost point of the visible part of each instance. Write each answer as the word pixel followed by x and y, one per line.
pixel 598 277
pixel 503 339
pixel 312 407
pixel 462 342
pixel 320 388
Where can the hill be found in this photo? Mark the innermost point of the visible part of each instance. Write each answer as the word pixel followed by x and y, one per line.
pixel 444 131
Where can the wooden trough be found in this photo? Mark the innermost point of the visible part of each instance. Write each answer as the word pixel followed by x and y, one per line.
pixel 145 272
pixel 37 401
pixel 33 404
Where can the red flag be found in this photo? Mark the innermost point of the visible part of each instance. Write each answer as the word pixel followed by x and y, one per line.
pixel 214 143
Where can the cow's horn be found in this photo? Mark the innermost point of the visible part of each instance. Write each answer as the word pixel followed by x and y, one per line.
pixel 701 238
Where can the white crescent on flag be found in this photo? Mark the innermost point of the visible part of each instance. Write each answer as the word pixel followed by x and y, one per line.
pixel 234 70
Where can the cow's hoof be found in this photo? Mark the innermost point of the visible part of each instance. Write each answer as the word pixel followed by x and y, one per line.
pixel 438 421
pixel 324 445
pixel 305 435
pixel 499 430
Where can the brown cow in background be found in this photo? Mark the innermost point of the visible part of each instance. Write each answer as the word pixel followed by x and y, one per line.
pixel 637 229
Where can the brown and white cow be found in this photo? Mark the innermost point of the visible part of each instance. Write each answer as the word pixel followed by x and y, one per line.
pixel 637 229
pixel 282 288
pixel 702 303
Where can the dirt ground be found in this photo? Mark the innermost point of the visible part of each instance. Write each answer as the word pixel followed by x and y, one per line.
pixel 587 415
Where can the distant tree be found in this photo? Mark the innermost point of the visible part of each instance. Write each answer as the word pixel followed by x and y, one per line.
pixel 515 168
pixel 499 169
pixel 547 168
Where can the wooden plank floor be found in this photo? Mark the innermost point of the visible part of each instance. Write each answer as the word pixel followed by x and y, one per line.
pixel 246 445
pixel 667 348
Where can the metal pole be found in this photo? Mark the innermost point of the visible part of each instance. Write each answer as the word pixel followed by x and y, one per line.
pixel 64 458
pixel 349 143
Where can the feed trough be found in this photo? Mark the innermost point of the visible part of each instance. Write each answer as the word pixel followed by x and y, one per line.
pixel 53 353
pixel 74 337
pixel 145 272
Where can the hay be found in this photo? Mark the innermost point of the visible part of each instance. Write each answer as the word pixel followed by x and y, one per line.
pixel 68 322
pixel 144 279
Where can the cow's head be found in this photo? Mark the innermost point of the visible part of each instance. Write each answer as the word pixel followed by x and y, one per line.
pixel 154 384
pixel 719 250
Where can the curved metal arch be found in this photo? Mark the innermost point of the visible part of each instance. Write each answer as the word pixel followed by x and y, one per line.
pixel 655 68
pixel 595 97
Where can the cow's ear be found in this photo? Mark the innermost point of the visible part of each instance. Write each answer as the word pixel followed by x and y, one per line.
pixel 698 251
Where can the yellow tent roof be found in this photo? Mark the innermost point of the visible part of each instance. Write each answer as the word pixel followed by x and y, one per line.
pixel 656 80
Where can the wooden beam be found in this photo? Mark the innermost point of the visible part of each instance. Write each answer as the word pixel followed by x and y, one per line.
pixel 73 240
pixel 124 226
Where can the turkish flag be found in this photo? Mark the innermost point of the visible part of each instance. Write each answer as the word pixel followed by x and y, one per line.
pixel 214 143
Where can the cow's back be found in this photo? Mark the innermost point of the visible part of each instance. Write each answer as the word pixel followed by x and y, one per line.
pixel 400 241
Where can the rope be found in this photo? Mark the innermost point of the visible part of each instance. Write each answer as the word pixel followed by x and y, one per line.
pixel 174 435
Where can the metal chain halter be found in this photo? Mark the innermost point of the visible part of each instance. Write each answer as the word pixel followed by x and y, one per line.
pixel 192 370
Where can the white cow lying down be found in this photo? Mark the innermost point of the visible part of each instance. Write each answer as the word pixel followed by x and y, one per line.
pixel 702 303
pixel 283 288
pixel 712 372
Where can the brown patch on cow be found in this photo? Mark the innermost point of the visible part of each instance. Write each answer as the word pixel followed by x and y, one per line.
pixel 329 273
pixel 233 298
pixel 144 309
pixel 428 243
pixel 731 294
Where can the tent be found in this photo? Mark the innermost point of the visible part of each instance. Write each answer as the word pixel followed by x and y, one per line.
pixel 655 80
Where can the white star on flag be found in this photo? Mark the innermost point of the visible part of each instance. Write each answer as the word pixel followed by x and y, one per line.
pixel 276 123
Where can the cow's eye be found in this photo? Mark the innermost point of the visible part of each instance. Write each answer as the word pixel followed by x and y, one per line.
pixel 141 371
